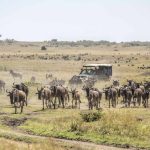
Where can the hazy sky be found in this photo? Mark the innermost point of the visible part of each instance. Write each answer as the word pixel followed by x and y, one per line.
pixel 39 20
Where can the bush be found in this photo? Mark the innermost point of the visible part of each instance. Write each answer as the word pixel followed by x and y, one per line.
pixel 43 48
pixel 74 126
pixel 90 116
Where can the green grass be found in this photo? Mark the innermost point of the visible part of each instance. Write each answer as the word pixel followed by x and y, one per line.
pixel 116 127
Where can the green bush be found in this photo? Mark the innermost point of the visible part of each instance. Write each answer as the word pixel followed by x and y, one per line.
pixel 91 116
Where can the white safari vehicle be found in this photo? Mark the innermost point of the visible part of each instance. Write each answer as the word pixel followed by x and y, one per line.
pixel 97 71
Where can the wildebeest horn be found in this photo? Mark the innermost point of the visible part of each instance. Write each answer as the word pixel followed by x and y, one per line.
pixel 37 89
pixel 7 91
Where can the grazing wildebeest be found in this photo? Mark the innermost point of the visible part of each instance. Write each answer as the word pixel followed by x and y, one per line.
pixel 15 74
pixel 24 88
pixel 59 92
pixel 45 95
pixel 76 98
pixel 92 96
pixel 18 98
pixel 33 79
pixel 2 85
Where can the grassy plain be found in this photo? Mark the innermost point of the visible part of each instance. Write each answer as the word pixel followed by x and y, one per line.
pixel 121 127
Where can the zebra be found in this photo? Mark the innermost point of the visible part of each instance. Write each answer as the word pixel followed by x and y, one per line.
pixel 15 74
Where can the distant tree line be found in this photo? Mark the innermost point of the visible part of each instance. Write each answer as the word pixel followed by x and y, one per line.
pixel 89 43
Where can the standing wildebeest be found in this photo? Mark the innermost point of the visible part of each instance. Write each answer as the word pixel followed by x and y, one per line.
pixel 76 98
pixel 24 88
pixel 45 95
pixel 145 95
pixel 2 85
pixel 17 97
pixel 126 94
pixel 32 80
pixel 59 92
pixel 15 74
pixel 116 82
pixel 100 95
pixel 92 96
pixel 48 76
pixel 111 94
pixel 137 96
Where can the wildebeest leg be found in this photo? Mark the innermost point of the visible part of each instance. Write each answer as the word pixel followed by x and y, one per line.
pixel 115 101
pixel 43 103
pixel 15 109
pixel 21 104
pixel 89 103
pixel 76 103
pixel 72 102
pixel 46 103
pixel 134 101
pixel 109 102
pixel 139 101
pixel 59 101
pixel 97 102
pixel 55 102
pixel 62 100
pixel 79 103
pixel 49 103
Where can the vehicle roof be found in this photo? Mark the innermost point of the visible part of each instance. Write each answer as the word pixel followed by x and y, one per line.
pixel 97 65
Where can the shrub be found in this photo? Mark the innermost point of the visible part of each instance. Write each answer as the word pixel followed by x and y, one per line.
pixel 90 116
pixel 43 48
pixel 74 126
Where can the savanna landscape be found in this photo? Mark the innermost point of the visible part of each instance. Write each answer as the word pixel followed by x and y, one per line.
pixel 72 128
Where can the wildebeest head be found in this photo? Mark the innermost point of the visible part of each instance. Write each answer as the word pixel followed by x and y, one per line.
pixel 87 89
pixel 11 96
pixel 53 89
pixel 39 93
pixel 73 92
pixel 17 86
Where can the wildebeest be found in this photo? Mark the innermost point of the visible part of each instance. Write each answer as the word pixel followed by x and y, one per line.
pixel 145 97
pixel 76 98
pixel 15 74
pixel 2 85
pixel 24 88
pixel 92 96
pixel 111 95
pixel 137 96
pixel 116 83
pixel 18 98
pixel 45 95
pixel 75 80
pixel 57 82
pixel 48 76
pixel 33 79
pixel 126 93
pixel 59 92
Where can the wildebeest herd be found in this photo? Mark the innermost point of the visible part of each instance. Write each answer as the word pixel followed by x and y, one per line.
pixel 57 95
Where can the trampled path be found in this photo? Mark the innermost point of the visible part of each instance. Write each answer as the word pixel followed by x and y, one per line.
pixel 82 145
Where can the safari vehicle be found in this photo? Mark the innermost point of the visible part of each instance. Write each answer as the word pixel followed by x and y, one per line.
pixel 97 71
